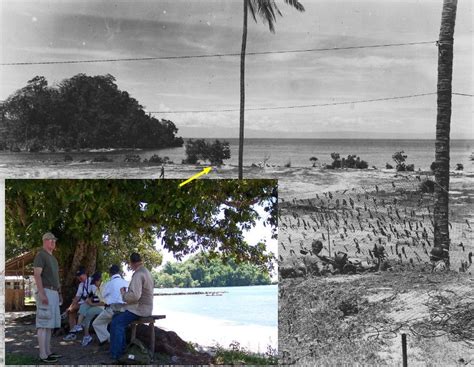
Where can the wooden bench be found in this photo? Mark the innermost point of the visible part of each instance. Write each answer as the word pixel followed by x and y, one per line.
pixel 150 320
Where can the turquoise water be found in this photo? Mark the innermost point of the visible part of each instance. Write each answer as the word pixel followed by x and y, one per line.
pixel 253 305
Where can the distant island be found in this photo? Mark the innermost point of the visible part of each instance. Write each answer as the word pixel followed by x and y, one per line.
pixel 205 270
pixel 83 112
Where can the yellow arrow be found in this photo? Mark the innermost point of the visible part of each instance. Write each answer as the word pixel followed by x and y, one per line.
pixel 203 172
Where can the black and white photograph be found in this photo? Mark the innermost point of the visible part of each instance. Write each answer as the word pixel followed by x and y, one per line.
pixel 361 110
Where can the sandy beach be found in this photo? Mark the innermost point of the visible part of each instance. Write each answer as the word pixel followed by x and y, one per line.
pixel 208 332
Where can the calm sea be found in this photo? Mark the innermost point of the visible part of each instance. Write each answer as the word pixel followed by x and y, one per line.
pixel 279 152
pixel 254 305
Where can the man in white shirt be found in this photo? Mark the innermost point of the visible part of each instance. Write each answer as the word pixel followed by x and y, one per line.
pixel 83 290
pixel 114 303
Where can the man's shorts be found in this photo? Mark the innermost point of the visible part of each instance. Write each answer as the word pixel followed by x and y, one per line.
pixel 48 316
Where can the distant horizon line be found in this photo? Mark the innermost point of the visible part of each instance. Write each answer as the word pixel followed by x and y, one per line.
pixel 301 138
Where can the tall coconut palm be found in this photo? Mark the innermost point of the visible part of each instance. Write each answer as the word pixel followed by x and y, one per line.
pixel 443 122
pixel 267 10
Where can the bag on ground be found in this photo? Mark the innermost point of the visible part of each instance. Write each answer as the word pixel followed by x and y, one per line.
pixel 136 353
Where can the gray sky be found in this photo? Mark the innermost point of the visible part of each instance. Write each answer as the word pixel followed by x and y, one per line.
pixel 33 31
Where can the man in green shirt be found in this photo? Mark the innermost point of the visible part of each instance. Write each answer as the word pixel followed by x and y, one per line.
pixel 48 297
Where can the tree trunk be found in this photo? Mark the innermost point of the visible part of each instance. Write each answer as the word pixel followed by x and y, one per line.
pixel 242 91
pixel 443 122
pixel 85 254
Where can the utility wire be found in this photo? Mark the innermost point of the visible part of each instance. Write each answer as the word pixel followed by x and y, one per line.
pixel 296 106
pixel 463 94
pixel 214 55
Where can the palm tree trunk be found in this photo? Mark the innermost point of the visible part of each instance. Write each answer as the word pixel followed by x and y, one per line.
pixel 443 122
pixel 242 91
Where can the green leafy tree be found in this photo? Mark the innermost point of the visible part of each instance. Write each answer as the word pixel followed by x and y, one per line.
pixel 100 222
pixel 203 270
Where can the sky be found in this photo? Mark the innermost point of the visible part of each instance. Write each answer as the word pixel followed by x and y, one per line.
pixel 45 30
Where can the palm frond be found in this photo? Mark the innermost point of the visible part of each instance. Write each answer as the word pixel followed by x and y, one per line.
pixel 295 4
pixel 268 10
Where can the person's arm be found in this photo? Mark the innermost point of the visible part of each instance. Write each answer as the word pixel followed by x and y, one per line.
pixel 39 285
pixel 134 289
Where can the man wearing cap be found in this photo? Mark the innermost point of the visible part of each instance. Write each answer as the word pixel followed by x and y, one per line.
pixel 139 299
pixel 114 304
pixel 48 297
pixel 85 286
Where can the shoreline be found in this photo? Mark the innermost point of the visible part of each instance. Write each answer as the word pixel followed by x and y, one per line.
pixel 190 327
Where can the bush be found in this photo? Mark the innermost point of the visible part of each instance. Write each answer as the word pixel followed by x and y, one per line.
pixel 199 149
pixel 156 159
pixel 459 167
pixel 314 160
pixel 102 159
pixel 287 164
pixel 427 186
pixel 35 147
pixel 400 159
pixel 134 158
pixel 336 160
pixel 352 161
pixel 388 166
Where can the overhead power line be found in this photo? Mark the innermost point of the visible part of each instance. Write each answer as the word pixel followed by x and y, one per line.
pixel 296 106
pixel 213 55
pixel 463 94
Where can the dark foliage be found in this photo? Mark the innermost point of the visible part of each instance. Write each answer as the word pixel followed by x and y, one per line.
pixel 427 186
pixel 81 112
pixel 156 159
pixel 352 161
pixel 199 149
pixel 400 159
pixel 205 271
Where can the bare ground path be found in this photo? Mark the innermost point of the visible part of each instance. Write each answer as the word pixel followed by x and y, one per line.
pixel 360 319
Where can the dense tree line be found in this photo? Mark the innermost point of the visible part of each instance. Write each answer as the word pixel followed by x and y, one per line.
pixel 80 112
pixel 204 271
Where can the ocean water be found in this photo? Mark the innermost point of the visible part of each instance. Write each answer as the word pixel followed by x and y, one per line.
pixel 375 152
pixel 279 152
pixel 253 305
pixel 246 315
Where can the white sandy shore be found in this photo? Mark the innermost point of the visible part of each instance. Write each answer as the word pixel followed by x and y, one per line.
pixel 207 331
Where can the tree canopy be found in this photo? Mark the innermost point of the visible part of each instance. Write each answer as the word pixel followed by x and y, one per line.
pixel 200 149
pixel 203 271
pixel 100 222
pixel 81 112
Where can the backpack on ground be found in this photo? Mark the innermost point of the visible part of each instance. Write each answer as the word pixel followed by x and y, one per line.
pixel 136 353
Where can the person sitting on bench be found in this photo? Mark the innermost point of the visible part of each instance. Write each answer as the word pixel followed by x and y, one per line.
pixel 113 304
pixel 139 299
pixel 93 306
pixel 82 293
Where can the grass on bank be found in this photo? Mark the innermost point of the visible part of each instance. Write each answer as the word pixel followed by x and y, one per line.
pixel 19 359
pixel 237 355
